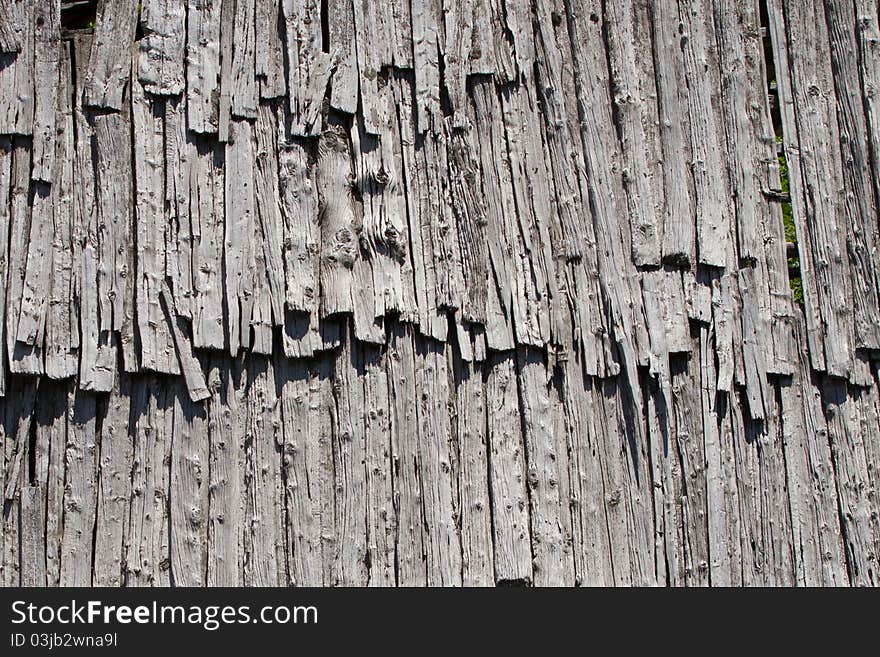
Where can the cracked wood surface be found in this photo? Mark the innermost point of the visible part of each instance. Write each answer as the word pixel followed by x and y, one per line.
pixel 439 293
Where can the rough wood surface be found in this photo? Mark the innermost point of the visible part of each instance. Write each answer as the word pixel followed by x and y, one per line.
pixel 440 293
pixel 108 70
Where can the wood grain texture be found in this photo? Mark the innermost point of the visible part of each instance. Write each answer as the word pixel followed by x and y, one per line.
pixel 17 71
pixel 108 69
pixel 440 293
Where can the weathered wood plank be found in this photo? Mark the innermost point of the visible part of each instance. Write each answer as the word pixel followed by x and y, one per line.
pixel 754 174
pixel 47 51
pixel 147 556
pixel 188 364
pixel 722 494
pixel 378 467
pixel 239 230
pixel 421 208
pixel 114 486
pixel 493 52
pixel 109 64
pixel 578 313
pixel 470 221
pixel 377 171
pixel 98 358
pixel 744 434
pixel 625 475
pixel 25 358
pixel 226 426
pixel 426 27
pixel 269 56
pixel 632 74
pixel 207 185
pixel 53 439
pixel 398 22
pixel 529 171
pixel 80 492
pixel 344 94
pixel 811 145
pixel 339 247
pixel 457 43
pixel 160 62
pixel 271 231
pixel 470 429
pixel 612 232
pixel 754 327
pixel 17 70
pixel 62 324
pixel 148 127
pixel 351 563
pixel 653 283
pixel 679 219
pixel 410 539
pixel 242 87
pixel 179 151
pixel 776 513
pixel 590 530
pixel 687 438
pixel 263 538
pixel 714 211
pixel 113 179
pixel 868 34
pixel 32 318
pixel 858 518
pixel 298 200
pixel 17 452
pixel 6 159
pixel 442 542
pixel 553 562
pixel 308 66
pixel 819 558
pixel 860 205
pixel 18 421
pixel 507 475
pixel 203 64
pixel 10 26
pixel 307 406
pixel 742 104
pixel 372 51
pixel 662 470
pixel 501 225
pixel 97 364
pixel 33 551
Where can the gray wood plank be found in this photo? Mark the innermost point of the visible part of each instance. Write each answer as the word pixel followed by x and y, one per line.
pixel 242 81
pixel 306 398
pixel 10 26
pixel 62 323
pixel 161 60
pixel 470 428
pixel 80 491
pixel 47 53
pixel 508 475
pixel 17 70
pixel 308 66
pixel 114 486
pixel 109 64
pixel 203 64
pixel 147 556
pixel 148 129
pixel 226 426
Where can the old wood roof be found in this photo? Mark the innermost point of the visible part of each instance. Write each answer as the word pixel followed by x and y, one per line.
pixel 559 220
